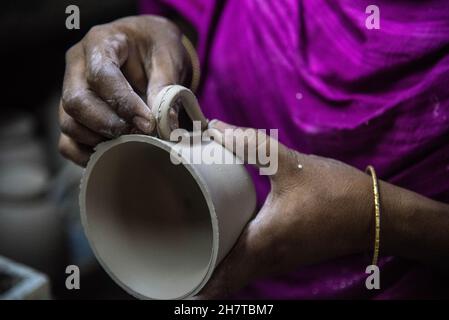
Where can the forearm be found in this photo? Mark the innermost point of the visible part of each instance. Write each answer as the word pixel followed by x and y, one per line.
pixel 413 226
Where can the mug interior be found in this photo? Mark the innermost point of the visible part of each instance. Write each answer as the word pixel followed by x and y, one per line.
pixel 148 221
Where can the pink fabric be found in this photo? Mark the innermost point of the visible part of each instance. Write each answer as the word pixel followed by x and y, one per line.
pixel 332 87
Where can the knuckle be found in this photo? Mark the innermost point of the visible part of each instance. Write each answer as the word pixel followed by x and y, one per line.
pixel 71 52
pixel 99 72
pixel 66 126
pixel 95 30
pixel 288 164
pixel 95 73
pixel 115 43
pixel 165 24
pixel 292 159
pixel 73 102
pixel 62 148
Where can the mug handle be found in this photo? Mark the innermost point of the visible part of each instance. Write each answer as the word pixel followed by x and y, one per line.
pixel 166 98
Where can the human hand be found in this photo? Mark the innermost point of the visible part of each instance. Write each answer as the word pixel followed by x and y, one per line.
pixel 314 213
pixel 111 79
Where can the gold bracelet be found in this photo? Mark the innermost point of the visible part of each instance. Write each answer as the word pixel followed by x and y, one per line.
pixel 371 170
pixel 195 62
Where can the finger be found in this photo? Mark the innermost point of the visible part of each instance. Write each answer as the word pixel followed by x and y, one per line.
pixel 107 80
pixel 83 105
pixel 254 147
pixel 167 66
pixel 134 72
pixel 71 128
pixel 173 118
pixel 74 151
pixel 238 267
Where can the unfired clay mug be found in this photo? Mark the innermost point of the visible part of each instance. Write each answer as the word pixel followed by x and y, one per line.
pixel 160 229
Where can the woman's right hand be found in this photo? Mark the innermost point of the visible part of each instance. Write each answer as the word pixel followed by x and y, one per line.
pixel 112 76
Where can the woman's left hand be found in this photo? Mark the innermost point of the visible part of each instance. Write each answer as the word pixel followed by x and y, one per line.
pixel 316 211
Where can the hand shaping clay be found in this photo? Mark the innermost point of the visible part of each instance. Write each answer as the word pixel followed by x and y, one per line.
pixel 166 98
pixel 160 229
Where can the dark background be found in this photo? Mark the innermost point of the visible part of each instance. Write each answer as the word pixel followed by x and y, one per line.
pixel 39 217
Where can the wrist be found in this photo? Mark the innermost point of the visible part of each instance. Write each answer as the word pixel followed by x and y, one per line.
pixel 361 217
pixel 413 225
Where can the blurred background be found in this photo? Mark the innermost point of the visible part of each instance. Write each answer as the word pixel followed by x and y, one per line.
pixel 39 215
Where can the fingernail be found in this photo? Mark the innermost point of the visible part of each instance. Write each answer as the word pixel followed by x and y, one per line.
pixel 215 134
pixel 218 125
pixel 118 128
pixel 144 125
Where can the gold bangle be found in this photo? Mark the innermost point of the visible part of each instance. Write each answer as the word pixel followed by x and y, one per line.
pixel 371 170
pixel 195 62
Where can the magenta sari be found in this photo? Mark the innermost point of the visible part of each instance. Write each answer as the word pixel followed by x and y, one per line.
pixel 334 88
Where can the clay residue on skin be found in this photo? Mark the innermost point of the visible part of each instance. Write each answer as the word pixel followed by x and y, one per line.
pixel 96 59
